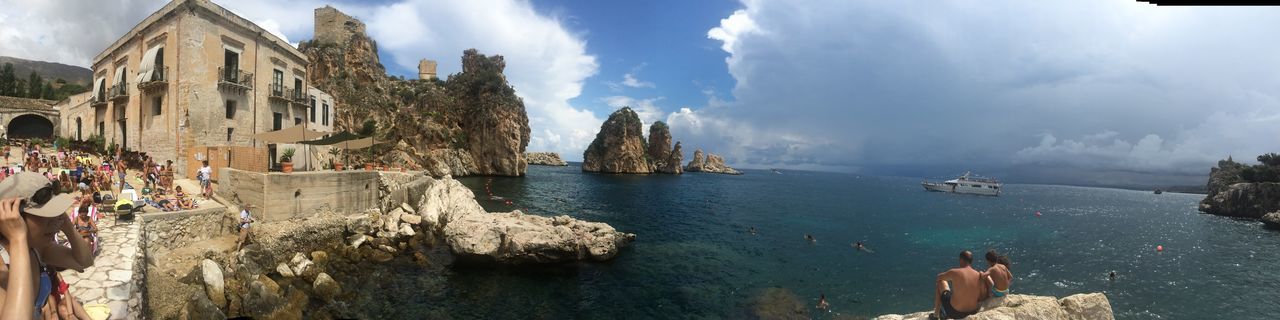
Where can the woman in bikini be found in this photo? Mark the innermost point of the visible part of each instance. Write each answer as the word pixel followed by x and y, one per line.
pixel 997 275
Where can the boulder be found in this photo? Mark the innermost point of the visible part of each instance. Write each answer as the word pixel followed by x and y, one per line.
pixel 544 159
pixel 407 208
pixel 779 303
pixel 411 218
pixel 1271 220
pixel 407 230
pixel 319 257
pixel 356 240
pixel 326 287
pixel 516 238
pixel 199 307
pixel 445 200
pixel 1091 306
pixel 619 147
pixel 284 270
pixel 213 282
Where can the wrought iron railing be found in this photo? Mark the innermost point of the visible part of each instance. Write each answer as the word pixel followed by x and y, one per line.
pixel 119 90
pixel 233 76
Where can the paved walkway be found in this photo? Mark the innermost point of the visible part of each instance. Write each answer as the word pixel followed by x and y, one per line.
pixel 115 279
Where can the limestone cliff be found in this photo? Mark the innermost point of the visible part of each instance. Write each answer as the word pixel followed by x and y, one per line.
pixel 619 147
pixel 475 111
pixel 663 158
pixel 711 164
pixel 544 159
pixel 1231 195
pixel 1018 306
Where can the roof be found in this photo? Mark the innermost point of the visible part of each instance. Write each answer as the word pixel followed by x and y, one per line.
pixel 25 103
pixel 207 6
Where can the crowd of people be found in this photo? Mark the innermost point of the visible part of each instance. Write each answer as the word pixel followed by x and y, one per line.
pixel 50 203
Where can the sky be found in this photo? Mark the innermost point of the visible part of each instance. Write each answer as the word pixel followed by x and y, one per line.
pixel 1108 92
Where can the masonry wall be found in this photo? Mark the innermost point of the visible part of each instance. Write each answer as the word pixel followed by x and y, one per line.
pixel 282 196
pixel 170 230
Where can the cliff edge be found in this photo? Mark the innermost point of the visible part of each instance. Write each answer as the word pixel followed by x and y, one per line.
pixel 1239 190
pixel 1090 306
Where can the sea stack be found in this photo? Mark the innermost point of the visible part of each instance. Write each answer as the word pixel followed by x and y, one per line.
pixel 619 147
pixel 662 156
pixel 544 159
pixel 1238 190
pixel 711 164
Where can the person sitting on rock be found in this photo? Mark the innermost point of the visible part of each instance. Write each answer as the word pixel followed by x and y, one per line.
pixel 958 290
pixel 996 276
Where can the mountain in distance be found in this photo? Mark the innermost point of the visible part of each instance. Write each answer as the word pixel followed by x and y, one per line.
pixel 50 71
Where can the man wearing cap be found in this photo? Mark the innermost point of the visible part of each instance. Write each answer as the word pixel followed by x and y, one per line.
pixel 45 215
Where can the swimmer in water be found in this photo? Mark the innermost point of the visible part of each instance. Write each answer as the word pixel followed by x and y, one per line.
pixel 753 231
pixel 1113 275
pixel 860 247
pixel 822 302
pixel 810 238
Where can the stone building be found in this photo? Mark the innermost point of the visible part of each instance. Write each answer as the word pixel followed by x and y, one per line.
pixel 426 69
pixel 191 78
pixel 28 118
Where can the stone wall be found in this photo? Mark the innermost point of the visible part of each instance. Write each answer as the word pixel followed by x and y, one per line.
pixel 282 196
pixel 170 230
pixel 397 188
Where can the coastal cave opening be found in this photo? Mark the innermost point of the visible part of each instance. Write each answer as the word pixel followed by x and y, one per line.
pixel 29 126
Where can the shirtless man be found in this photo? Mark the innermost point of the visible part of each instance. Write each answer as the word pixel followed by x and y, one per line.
pixel 958 290
pixel 997 276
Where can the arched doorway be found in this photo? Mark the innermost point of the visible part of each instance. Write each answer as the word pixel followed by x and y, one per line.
pixel 29 126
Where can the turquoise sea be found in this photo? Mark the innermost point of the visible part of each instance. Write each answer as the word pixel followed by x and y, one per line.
pixel 694 256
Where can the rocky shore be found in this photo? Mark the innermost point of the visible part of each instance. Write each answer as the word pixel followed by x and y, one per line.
pixel 1086 306
pixel 544 159
pixel 710 164
pixel 296 268
pixel 1230 194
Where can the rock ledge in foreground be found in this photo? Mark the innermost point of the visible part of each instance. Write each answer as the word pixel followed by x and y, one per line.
pixel 1085 306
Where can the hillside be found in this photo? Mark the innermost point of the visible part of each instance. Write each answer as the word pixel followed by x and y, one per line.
pixel 50 70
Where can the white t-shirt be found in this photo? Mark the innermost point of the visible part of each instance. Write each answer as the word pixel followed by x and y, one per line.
pixel 205 173
pixel 244 218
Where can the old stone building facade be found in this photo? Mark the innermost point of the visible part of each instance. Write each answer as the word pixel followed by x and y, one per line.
pixel 190 77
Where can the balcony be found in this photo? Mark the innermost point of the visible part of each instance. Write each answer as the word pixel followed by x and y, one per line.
pixel 100 100
pixel 119 91
pixel 300 97
pixel 158 81
pixel 232 79
pixel 280 93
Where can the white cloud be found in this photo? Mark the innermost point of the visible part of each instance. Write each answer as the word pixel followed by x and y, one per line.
pixel 1135 87
pixel 631 81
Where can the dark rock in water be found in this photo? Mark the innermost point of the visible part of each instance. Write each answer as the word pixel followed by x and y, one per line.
pixel 711 164
pixel 201 308
pixel 779 303
pixel 1230 195
pixel 260 302
pixel 1272 220
pixel 619 147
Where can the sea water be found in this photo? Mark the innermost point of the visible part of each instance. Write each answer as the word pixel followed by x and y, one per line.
pixel 694 258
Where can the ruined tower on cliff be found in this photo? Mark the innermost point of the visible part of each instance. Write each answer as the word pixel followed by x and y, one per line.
pixel 333 26
pixel 426 69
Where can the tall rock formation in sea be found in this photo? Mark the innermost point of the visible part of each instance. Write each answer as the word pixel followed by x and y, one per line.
pixel 619 147
pixel 663 158
pixel 472 123
pixel 711 164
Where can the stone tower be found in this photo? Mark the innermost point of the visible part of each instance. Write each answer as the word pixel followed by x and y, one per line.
pixel 333 26
pixel 426 69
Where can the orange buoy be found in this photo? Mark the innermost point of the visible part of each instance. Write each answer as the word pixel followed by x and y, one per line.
pixel 1037 213
pixel 1159 248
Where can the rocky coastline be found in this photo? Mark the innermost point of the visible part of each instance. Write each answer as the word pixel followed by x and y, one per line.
pixel 545 159
pixel 1231 194
pixel 296 268
pixel 710 164
pixel 1091 306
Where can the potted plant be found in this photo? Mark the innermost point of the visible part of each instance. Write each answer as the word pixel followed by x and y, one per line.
pixel 286 160
pixel 337 163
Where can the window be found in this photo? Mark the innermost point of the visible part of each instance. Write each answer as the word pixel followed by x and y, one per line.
pixel 313 109
pixel 229 131
pixel 231 109
pixel 325 120
pixel 297 87
pixel 277 82
pixel 231 65
pixel 157 105
pixel 102 128
pixel 277 120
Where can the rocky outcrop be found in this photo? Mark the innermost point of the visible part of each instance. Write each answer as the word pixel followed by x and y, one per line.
pixel 544 159
pixel 711 164
pixel 1230 195
pixel 474 112
pixel 1271 220
pixel 1092 306
pixel 663 158
pixel 449 208
pixel 619 147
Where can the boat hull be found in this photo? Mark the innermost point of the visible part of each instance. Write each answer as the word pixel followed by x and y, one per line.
pixel 963 187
